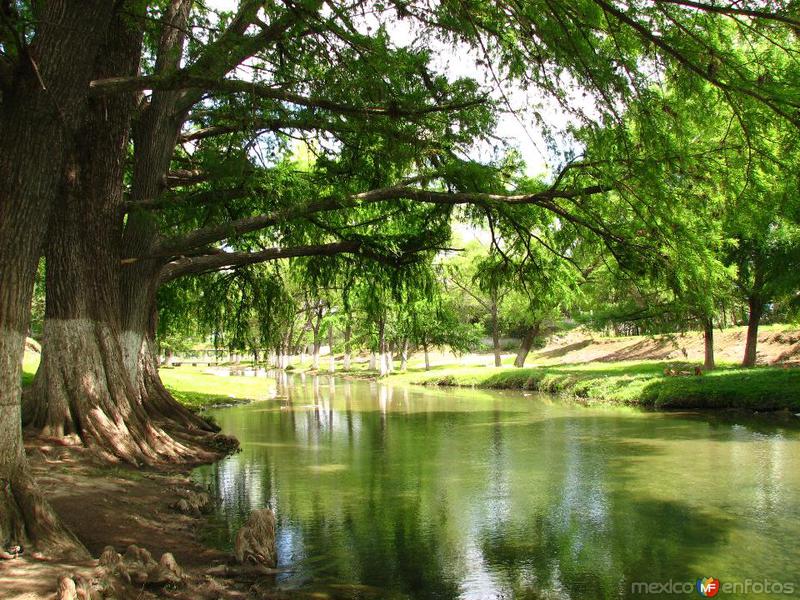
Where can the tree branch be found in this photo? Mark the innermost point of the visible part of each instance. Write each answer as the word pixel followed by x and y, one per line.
pixel 194 265
pixel 196 198
pixel 182 81
pixel 217 233
pixel 732 10
pixel 647 34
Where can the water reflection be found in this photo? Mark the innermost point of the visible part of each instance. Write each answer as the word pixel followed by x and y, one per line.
pixel 430 493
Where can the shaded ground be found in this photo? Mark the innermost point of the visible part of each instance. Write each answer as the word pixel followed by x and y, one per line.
pixel 776 345
pixel 116 506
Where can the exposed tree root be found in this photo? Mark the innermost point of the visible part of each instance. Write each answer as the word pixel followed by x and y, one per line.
pixel 27 521
pixel 84 392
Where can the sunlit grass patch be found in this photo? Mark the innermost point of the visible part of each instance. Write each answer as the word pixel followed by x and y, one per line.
pixel 197 389
pixel 637 383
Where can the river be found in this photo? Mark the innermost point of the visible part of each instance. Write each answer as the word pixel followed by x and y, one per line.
pixel 414 492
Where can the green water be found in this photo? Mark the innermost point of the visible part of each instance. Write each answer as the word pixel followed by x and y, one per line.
pixel 410 492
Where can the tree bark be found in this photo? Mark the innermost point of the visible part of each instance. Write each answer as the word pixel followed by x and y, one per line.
pixel 382 347
pixel 427 357
pixel 39 110
pixel 404 355
pixel 390 357
pixel 90 387
pixel 348 332
pixel 708 340
pixel 498 359
pixel 315 352
pixel 527 344
pixel 332 367
pixel 750 350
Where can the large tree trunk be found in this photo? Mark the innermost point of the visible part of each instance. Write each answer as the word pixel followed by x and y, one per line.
pixel 37 140
pixel 708 339
pixel 99 386
pixel 88 387
pixel 161 406
pixel 750 349
pixel 527 344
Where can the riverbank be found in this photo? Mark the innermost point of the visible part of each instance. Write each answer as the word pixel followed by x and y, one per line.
pixel 642 383
pixel 119 506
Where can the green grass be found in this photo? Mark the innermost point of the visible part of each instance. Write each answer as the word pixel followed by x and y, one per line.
pixel 196 389
pixel 640 383
pixel 635 383
pixel 30 363
pixel 190 385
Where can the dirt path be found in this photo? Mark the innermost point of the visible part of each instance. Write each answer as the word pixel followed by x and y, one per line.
pixel 116 506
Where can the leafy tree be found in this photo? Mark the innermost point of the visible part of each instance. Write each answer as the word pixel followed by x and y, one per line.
pixel 131 129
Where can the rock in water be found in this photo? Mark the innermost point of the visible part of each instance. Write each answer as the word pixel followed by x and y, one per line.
pixel 255 542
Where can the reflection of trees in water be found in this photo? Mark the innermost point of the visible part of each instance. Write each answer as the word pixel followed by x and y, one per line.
pixel 584 538
pixel 650 540
pixel 414 492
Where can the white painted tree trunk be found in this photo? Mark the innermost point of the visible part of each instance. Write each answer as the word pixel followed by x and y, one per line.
pixel 332 366
pixel 404 356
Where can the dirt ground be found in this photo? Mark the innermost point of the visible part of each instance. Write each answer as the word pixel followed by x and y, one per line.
pixel 117 506
pixel 775 347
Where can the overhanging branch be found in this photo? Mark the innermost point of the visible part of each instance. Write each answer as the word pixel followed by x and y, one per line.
pixel 216 233
pixel 194 265
pixel 182 81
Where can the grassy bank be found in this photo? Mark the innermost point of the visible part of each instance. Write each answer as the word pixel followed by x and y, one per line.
pixel 634 383
pixel 196 389
pixel 191 386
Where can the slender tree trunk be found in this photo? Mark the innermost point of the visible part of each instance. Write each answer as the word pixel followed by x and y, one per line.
pixel 373 361
pixel 708 339
pixel 390 357
pixel 316 350
pixel 287 356
pixel 168 357
pixel 348 332
pixel 332 367
pixel 498 359
pixel 527 344
pixel 382 347
pixel 750 350
pixel 404 355
pixel 427 357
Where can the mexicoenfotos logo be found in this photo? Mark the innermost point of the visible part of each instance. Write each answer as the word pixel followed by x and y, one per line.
pixel 707 587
